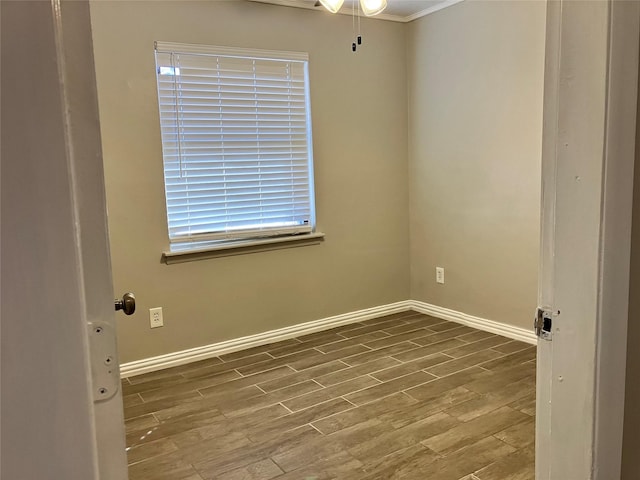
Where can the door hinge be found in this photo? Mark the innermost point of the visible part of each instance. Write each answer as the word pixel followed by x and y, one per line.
pixel 543 324
pixel 105 371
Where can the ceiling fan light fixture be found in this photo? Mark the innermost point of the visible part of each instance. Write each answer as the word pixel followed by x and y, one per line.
pixel 332 5
pixel 372 7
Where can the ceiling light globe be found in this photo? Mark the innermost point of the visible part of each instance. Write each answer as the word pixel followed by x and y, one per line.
pixel 332 5
pixel 372 7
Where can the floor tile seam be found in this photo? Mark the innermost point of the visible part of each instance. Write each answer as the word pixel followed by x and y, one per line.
pixel 396 343
pixel 185 390
pixel 490 335
pixel 394 356
pixel 467 343
pixel 212 395
pixel 309 347
pixel 406 375
pixel 441 378
pixel 353 407
pixel 385 332
pixel 352 338
pixel 515 449
pixel 460 358
pixel 286 408
pixel 488 412
pixel 226 362
pixel 337 396
pixel 502 368
pixel 383 397
pixel 284 472
pixel 307 379
pixel 236 369
pixel 485 435
pixel 321 363
pixel 270 403
pixel 316 405
pixel 152 457
pixel 231 390
pixel 507 443
pixel 288 398
pixel 293 385
pixel 370 375
pixel 415 360
pixel 458 325
pixel 319 379
pixel 511 353
pixel 345 360
pixel 445 454
pixel 406 390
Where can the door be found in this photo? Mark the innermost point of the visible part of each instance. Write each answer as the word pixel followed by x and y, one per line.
pixel 588 153
pixel 62 414
pixel 83 137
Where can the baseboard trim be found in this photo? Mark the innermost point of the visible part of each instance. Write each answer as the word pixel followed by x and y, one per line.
pixel 506 330
pixel 183 357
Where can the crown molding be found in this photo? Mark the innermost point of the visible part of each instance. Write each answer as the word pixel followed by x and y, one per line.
pixel 430 10
pixel 382 16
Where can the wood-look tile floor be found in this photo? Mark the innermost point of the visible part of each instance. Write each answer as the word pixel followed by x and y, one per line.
pixel 405 396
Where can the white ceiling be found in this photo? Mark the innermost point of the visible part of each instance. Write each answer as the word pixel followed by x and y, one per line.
pixel 397 10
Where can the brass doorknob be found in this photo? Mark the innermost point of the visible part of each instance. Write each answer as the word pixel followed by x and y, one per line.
pixel 127 304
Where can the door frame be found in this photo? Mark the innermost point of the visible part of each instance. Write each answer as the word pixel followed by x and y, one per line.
pixel 591 87
pixel 589 140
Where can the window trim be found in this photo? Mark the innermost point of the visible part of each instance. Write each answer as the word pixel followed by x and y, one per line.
pixel 206 250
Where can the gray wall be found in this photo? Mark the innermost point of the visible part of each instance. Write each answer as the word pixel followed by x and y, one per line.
pixel 359 109
pixel 475 75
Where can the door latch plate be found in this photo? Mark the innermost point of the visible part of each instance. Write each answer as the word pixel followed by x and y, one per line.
pixel 543 324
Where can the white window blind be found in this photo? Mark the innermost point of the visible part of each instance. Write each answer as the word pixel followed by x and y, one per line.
pixel 236 139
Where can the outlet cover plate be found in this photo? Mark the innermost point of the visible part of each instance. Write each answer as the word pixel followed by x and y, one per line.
pixel 155 317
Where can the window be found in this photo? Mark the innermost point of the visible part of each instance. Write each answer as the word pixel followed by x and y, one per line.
pixel 236 140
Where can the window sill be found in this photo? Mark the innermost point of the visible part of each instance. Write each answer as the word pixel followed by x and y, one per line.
pixel 241 248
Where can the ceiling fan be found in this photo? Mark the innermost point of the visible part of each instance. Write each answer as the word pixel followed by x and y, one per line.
pixel 369 7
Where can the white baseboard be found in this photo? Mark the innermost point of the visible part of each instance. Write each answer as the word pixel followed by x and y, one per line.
pixel 509 331
pixel 183 357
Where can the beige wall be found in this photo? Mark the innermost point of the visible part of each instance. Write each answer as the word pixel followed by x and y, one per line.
pixel 359 109
pixel 475 75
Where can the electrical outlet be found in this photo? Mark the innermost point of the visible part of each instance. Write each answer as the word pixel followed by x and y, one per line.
pixel 155 317
pixel 440 275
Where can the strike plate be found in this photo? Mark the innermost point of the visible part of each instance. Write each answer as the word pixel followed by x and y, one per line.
pixel 104 367
pixel 543 324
